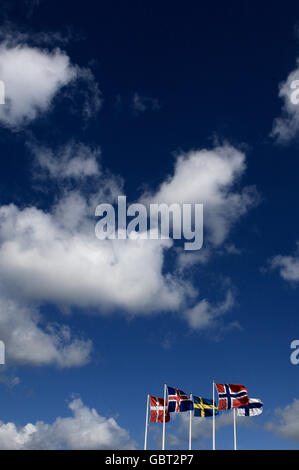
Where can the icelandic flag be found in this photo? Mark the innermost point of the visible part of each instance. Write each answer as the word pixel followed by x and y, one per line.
pixel 254 408
pixel 178 401
pixel 231 396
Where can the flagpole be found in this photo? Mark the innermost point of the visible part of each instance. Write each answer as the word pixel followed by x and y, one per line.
pixel 146 422
pixel 213 415
pixel 235 430
pixel 163 433
pixel 190 424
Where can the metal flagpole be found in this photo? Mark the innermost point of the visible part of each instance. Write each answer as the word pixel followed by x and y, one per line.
pixel 213 415
pixel 163 433
pixel 146 422
pixel 190 424
pixel 235 429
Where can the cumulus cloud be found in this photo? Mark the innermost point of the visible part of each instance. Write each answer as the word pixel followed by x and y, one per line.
pixel 52 257
pixel 286 424
pixel 85 429
pixel 288 266
pixel 209 177
pixel 55 257
pixel 286 126
pixel 30 340
pixel 33 76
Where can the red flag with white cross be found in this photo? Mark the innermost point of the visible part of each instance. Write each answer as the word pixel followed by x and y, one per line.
pixel 157 407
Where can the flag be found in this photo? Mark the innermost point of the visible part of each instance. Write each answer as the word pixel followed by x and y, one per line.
pixel 231 396
pixel 178 401
pixel 254 408
pixel 157 410
pixel 203 407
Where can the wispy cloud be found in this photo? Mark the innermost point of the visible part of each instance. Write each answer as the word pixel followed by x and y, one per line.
pixel 140 104
pixel 72 160
pixel 286 422
pixel 206 315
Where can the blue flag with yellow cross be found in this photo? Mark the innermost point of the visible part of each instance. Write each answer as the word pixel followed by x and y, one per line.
pixel 203 407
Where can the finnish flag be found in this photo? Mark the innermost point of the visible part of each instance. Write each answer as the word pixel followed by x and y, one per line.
pixel 254 408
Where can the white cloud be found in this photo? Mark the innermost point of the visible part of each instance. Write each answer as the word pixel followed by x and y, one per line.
pixel 205 315
pixel 72 160
pixel 30 340
pixel 32 77
pixel 208 177
pixel 187 259
pixel 287 126
pixel 85 429
pixel 288 266
pixel 54 256
pixel 76 165
pixel 287 422
pixel 50 257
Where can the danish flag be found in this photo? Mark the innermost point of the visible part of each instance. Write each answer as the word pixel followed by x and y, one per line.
pixel 157 410
pixel 231 396
pixel 178 401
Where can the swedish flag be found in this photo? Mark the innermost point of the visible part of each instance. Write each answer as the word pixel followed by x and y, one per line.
pixel 203 407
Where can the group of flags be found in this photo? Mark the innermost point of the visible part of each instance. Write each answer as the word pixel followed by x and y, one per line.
pixel 230 396
pixel 178 402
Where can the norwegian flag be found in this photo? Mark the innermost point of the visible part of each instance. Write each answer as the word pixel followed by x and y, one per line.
pixel 157 410
pixel 231 396
pixel 178 401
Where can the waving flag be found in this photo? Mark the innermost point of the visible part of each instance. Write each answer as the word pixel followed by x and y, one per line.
pixel 254 408
pixel 231 396
pixel 178 401
pixel 157 407
pixel 203 407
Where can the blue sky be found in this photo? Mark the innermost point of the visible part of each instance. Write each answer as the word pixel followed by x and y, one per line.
pixel 165 103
